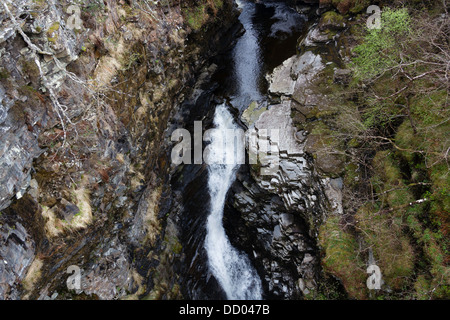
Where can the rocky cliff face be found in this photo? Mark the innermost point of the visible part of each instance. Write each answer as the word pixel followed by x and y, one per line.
pixel 86 93
pixel 84 158
pixel 288 206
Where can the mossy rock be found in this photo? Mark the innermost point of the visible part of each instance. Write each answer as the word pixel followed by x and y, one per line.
pixel 196 17
pixel 252 113
pixel 353 6
pixel 388 175
pixel 342 258
pixel 331 21
pixel 351 176
pixel 392 249
pixel 359 6
pixel 29 69
pixel 329 159
pixel 343 5
pixel 52 32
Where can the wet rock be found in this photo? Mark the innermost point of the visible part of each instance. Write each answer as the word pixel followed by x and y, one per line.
pixel 17 151
pixel 308 258
pixel 314 38
pixel 277 233
pixel 34 189
pixel 16 255
pixel 305 94
pixel 281 82
pixel 300 136
pixel 283 215
pixel 303 9
pixel 302 286
pixel 291 171
pixel 19 145
pixel 287 220
pixel 294 73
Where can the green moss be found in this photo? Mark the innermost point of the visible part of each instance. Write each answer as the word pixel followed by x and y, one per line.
pixel 404 138
pixel 341 257
pixel 422 288
pixel 218 4
pixel 331 17
pixel 52 34
pixel 197 17
pixel 442 291
pixel 252 113
pixel 385 231
pixel 94 6
pixel 174 244
pixel 388 176
pixel 29 68
pixel 351 177
pixel 130 60
pixel 54 27
pixel 319 128
pixel 395 25
pixel 392 249
pixel 359 5
pixel 177 247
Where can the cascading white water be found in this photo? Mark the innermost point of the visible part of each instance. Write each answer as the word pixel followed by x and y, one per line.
pixel 231 268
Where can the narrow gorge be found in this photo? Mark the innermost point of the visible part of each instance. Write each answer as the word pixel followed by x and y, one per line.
pixel 315 149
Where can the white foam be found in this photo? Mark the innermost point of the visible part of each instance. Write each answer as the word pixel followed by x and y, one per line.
pixel 231 268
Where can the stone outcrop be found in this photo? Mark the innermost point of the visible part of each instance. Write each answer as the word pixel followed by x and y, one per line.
pixel 294 74
pixel 290 199
pixel 17 250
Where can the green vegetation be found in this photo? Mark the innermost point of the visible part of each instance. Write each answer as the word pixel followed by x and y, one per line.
pixel 94 6
pixel 197 16
pixel 341 257
pixel 52 32
pixel 332 18
pixel 4 74
pixel 380 49
pixel 399 137
pixel 345 6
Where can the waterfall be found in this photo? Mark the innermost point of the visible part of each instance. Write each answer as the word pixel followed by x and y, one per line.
pixel 231 268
